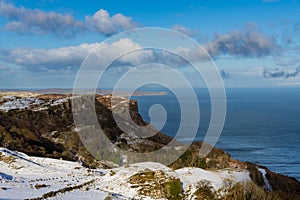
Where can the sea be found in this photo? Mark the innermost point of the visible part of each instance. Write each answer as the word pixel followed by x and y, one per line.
pixel 262 125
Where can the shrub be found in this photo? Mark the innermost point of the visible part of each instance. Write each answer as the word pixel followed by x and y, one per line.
pixel 157 185
pixel 204 191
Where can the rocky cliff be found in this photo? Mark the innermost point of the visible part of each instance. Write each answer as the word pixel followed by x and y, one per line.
pixel 43 125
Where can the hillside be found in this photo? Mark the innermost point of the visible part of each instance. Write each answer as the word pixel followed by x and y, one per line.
pixel 42 125
pixel 28 177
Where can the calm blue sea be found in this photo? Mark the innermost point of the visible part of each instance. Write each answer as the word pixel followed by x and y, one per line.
pixel 262 125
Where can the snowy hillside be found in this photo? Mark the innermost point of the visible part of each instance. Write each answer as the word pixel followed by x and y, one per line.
pixel 25 177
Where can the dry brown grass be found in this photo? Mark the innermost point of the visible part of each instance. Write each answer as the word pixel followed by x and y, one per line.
pixel 7 159
pixel 249 191
pixel 239 191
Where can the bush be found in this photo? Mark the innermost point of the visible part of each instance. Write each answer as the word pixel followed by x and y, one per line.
pixel 157 185
pixel 204 191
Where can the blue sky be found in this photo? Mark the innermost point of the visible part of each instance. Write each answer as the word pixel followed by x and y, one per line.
pixel 254 43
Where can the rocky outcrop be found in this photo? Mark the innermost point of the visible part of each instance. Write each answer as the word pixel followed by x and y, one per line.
pixel 43 126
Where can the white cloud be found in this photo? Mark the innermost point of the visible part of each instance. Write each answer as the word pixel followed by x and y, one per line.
pixel 247 44
pixel 24 20
pixel 73 56
pixel 102 22
pixel 29 21
pixel 281 73
pixel 192 54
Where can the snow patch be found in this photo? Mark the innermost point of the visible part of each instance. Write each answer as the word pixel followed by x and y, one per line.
pixel 59 101
pixel 267 185
pixel 20 103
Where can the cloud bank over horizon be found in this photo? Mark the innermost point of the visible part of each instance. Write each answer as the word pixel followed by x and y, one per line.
pixel 281 73
pixel 235 44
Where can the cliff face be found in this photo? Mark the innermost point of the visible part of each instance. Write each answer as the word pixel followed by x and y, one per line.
pixel 43 125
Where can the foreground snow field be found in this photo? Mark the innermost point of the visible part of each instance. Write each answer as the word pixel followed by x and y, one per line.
pixel 26 177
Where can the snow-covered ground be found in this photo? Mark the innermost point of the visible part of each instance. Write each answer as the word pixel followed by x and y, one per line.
pixel 23 176
pixel 21 101
pixel 21 104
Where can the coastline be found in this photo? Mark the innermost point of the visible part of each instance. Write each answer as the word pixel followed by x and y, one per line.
pixel 28 121
pixel 261 125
